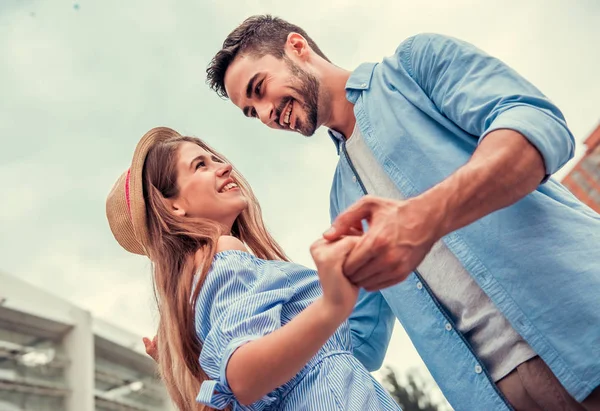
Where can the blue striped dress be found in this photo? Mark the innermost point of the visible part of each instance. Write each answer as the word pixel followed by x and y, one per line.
pixel 245 298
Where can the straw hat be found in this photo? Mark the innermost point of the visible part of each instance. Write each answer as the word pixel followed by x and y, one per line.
pixel 125 205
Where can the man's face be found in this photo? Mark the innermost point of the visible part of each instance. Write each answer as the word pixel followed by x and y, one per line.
pixel 277 91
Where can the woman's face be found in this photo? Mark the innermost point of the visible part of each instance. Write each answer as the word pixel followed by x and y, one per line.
pixel 206 188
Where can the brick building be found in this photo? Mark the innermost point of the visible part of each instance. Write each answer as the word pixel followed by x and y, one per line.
pixel 584 179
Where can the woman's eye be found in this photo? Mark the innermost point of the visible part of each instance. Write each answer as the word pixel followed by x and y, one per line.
pixel 200 164
pixel 253 113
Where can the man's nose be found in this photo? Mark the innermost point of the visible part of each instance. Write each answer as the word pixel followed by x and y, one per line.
pixel 266 113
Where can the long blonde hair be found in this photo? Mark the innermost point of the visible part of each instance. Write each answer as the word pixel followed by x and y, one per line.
pixel 173 244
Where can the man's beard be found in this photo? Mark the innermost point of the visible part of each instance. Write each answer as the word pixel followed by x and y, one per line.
pixel 308 90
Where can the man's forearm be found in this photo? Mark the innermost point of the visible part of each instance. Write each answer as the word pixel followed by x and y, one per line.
pixel 504 168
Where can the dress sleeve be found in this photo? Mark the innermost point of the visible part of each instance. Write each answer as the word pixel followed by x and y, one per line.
pixel 241 301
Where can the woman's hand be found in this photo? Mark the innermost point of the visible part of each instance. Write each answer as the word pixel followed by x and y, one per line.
pixel 338 292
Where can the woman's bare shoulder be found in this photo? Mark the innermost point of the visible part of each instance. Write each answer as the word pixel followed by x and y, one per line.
pixel 228 242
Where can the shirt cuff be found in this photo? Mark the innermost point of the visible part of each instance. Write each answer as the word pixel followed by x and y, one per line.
pixel 218 394
pixel 214 394
pixel 549 135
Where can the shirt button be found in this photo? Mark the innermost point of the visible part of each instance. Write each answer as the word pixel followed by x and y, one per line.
pixel 364 85
pixel 419 285
pixel 354 178
pixel 448 326
pixel 478 369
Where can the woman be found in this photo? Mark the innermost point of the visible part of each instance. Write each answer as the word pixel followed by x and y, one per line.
pixel 240 326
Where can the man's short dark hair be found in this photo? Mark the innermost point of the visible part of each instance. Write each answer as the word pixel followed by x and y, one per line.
pixel 258 36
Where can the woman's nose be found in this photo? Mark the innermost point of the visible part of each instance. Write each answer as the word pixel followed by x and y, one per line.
pixel 224 170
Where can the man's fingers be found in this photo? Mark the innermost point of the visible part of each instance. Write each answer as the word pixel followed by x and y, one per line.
pixel 355 231
pixel 337 231
pixel 351 218
pixel 344 245
pixel 381 285
pixel 150 345
pixel 358 259
pixel 379 264
pixel 382 280
pixel 379 280
pixel 365 273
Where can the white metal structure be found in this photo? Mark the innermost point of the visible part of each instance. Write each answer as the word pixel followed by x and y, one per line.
pixel 55 356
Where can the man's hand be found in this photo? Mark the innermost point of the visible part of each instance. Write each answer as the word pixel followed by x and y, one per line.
pixel 151 347
pixel 400 235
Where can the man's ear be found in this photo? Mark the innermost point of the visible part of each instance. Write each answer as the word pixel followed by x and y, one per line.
pixel 297 46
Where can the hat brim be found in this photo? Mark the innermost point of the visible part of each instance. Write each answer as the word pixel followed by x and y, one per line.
pixel 132 191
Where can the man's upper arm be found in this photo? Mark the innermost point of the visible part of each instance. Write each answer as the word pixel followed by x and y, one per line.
pixel 481 94
pixel 371 322
pixel 371 326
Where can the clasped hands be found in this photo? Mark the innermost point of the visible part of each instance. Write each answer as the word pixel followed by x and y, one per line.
pixel 399 236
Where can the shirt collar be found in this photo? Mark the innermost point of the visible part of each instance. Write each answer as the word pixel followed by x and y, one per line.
pixel 359 80
pixel 337 139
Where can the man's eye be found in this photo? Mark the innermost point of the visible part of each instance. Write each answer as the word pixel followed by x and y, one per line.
pixel 253 113
pixel 257 88
pixel 200 164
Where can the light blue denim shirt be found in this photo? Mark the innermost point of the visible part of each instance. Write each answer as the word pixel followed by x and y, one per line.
pixel 422 112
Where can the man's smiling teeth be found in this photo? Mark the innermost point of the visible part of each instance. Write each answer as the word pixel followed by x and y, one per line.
pixel 228 187
pixel 288 113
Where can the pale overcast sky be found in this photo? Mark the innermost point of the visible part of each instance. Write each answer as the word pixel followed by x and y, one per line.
pixel 81 82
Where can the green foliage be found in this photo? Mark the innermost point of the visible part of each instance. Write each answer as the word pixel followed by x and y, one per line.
pixel 414 394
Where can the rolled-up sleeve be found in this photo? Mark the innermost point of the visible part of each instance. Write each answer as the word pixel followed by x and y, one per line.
pixel 481 94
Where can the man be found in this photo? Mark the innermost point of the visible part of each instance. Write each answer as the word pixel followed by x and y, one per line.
pixel 491 266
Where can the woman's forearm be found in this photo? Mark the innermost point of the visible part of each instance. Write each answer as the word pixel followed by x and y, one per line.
pixel 260 366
